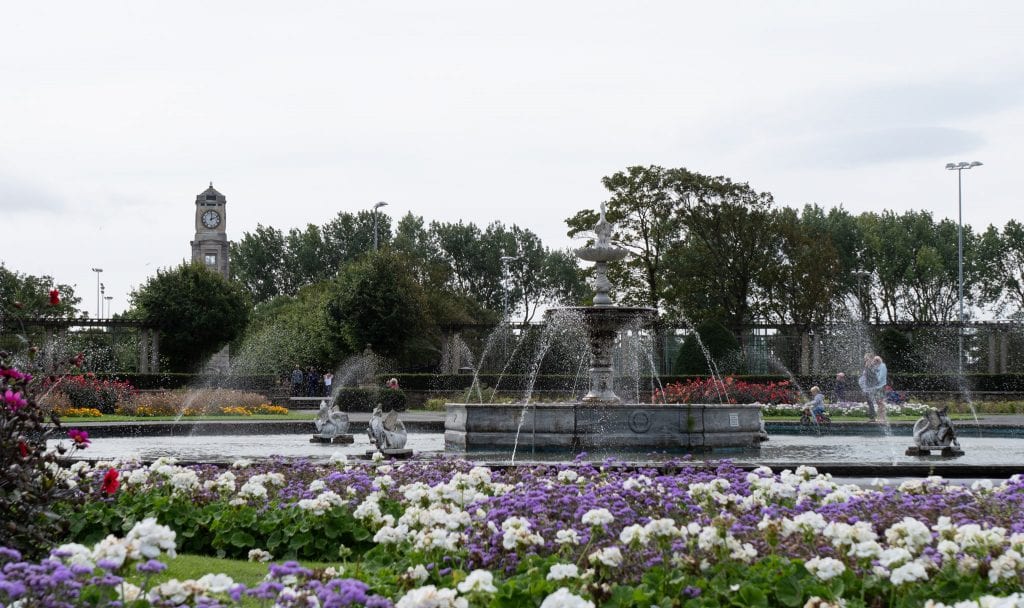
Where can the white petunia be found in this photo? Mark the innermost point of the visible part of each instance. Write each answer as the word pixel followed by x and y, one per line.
pixel 825 568
pixel 560 572
pixel 431 597
pixel 908 573
pixel 597 517
pixel 564 599
pixel 609 556
pixel 479 581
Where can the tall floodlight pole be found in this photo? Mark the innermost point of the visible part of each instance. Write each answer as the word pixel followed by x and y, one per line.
pixel 99 313
pixel 505 260
pixel 103 296
pixel 108 299
pixel 375 208
pixel 959 168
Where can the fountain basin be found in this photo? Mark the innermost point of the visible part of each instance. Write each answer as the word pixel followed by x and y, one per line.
pixel 580 427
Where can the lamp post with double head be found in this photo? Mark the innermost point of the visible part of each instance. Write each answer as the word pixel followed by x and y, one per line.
pixel 375 213
pixel 99 313
pixel 959 168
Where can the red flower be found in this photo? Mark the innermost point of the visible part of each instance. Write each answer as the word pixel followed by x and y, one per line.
pixel 23 448
pixel 110 482
pixel 54 297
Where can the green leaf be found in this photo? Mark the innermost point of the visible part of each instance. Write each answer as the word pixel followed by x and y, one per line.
pixel 789 592
pixel 243 539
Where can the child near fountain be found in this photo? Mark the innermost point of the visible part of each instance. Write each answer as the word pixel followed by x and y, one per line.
pixel 816 404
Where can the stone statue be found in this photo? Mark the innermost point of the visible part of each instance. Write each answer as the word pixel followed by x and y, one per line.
pixel 934 431
pixel 331 423
pixel 386 431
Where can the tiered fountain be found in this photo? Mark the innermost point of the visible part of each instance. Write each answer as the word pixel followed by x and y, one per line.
pixel 600 420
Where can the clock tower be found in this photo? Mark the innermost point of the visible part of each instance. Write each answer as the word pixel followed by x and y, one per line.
pixel 210 247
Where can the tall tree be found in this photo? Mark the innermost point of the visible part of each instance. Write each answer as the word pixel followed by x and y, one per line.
pixel 196 310
pixel 644 207
pixel 257 262
pixel 25 295
pixel 1001 260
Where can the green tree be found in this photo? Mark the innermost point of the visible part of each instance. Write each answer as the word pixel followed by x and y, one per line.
pixel 1001 267
pixel 25 295
pixel 257 262
pixel 288 331
pixel 722 347
pixel 728 244
pixel 196 310
pixel 802 284
pixel 644 207
pixel 376 301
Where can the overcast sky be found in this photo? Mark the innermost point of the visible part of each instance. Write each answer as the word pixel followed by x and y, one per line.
pixel 114 116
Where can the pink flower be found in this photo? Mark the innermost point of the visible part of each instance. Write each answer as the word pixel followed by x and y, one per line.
pixel 80 437
pixel 54 297
pixel 14 400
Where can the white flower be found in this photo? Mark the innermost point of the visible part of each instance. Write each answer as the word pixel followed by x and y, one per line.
pixel 431 597
pixel 253 489
pixel 417 573
pixel 517 533
pixel 173 591
pixel 241 463
pixel 147 539
pixel 609 556
pixel 76 554
pixel 560 572
pixel 825 568
pixel 338 458
pixel 909 533
pixel 636 532
pixel 597 517
pixel 216 583
pixel 662 528
pixel 259 555
pixel 128 592
pixel 908 573
pixel 316 485
pixel 379 457
pixel 894 556
pixel 1005 566
pixel 111 549
pixel 480 581
pixel 391 535
pixel 567 537
pixel 568 476
pixel 564 599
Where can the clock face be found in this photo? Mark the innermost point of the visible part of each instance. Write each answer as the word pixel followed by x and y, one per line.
pixel 211 219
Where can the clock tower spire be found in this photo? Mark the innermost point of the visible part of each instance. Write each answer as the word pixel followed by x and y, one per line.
pixel 210 247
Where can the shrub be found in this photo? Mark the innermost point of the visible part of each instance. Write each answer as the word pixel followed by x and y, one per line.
pixel 87 391
pixel 190 402
pixel 709 390
pixel 29 487
pixel 722 346
pixel 364 399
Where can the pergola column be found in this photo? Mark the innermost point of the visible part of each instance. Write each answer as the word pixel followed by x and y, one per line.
pixel 143 351
pixel 154 351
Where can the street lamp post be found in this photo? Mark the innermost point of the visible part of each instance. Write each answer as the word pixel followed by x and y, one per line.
pixel 375 208
pixel 959 168
pixel 99 313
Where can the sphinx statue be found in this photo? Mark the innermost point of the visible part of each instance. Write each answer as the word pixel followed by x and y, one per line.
pixel 386 431
pixel 331 425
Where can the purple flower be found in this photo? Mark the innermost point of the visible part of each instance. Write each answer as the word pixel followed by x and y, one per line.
pixel 151 567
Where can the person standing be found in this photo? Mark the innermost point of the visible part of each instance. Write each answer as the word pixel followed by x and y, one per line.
pixel 312 382
pixel 881 379
pixel 297 379
pixel 328 380
pixel 867 382
pixel 839 390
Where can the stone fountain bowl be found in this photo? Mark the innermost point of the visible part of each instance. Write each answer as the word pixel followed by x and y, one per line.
pixel 576 427
pixel 596 253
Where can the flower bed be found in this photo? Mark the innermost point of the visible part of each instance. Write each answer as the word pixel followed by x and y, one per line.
pixel 450 533
pixel 847 408
pixel 213 402
pixel 728 390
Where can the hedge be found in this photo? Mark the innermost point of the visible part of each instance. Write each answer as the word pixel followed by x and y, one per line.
pixel 364 399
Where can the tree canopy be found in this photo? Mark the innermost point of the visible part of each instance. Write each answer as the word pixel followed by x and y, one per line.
pixel 196 310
